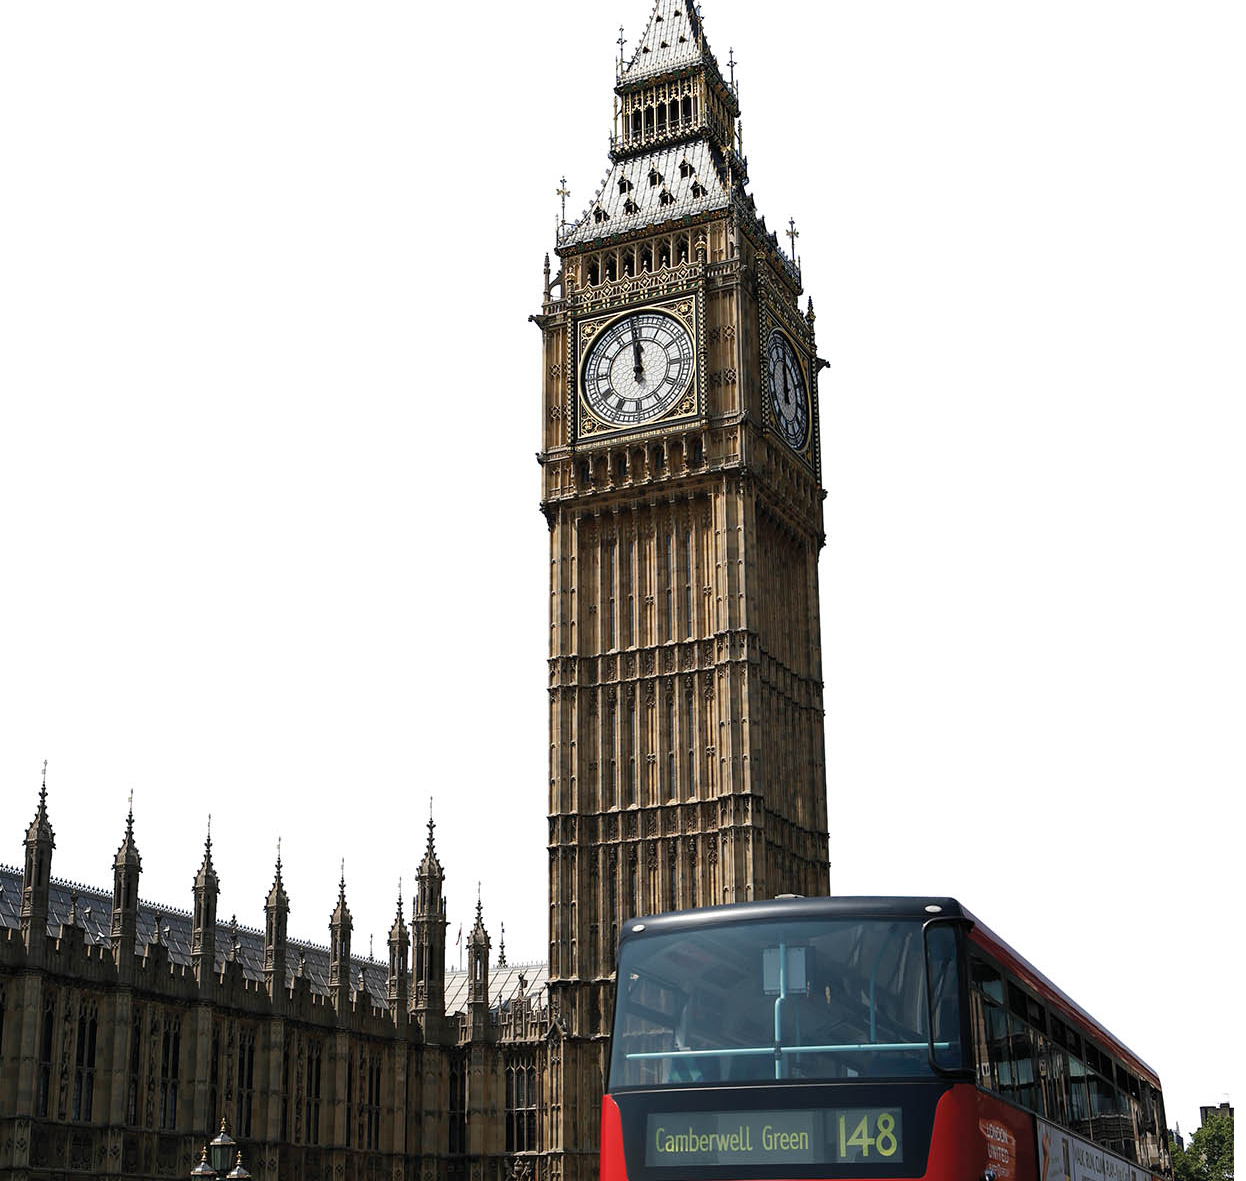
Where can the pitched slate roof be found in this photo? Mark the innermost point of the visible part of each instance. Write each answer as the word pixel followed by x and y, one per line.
pixel 673 40
pixel 94 918
pixel 704 173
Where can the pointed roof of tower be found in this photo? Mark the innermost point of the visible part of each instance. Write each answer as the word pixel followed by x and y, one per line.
pixel 341 912
pixel 674 40
pixel 277 895
pixel 430 866
pixel 684 173
pixel 206 877
pixel 677 181
pixel 127 854
pixel 399 930
pixel 478 932
pixel 40 827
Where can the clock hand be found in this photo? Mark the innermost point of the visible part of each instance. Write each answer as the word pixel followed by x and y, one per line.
pixel 639 368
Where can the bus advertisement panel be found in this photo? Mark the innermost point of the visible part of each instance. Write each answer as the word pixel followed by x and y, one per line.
pixel 1065 1157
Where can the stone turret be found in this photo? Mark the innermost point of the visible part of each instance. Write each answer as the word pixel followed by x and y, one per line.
pixel 428 936
pixel 203 923
pixel 127 866
pixel 478 977
pixel 276 916
pixel 339 949
pixel 40 841
pixel 399 948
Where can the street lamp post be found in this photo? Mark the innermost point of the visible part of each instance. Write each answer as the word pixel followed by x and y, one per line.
pixel 222 1149
pixel 224 1152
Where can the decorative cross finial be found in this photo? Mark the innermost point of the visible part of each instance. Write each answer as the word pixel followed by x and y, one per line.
pixel 208 843
pixel 621 42
pixel 129 819
pixel 278 854
pixel 564 193
pixel 793 233
pixel 731 65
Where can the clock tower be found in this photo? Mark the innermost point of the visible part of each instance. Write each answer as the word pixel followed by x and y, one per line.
pixel 681 481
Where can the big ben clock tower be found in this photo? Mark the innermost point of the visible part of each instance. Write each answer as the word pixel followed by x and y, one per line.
pixel 681 484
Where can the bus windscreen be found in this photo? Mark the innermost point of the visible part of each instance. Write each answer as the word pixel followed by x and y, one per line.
pixel 806 999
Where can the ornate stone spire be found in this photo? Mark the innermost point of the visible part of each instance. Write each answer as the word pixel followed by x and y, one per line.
pixel 276 916
pixel 203 921
pixel 40 827
pixel 128 854
pixel 399 947
pixel 339 947
pixel 430 866
pixel 478 976
pixel 127 866
pixel 502 947
pixel 428 937
pixel 40 841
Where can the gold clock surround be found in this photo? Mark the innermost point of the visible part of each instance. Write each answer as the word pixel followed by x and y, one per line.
pixel 685 308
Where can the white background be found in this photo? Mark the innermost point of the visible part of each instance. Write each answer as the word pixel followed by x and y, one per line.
pixel 270 403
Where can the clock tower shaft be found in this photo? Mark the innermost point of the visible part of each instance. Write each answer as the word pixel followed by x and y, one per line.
pixel 686 763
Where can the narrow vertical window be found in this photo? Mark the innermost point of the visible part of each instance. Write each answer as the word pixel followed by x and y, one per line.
pixel 46 1039
pixel 285 1092
pixel 628 593
pixel 608 753
pixel 170 1071
pixel 671 782
pixel 246 1084
pixel 667 555
pixel 689 738
pixel 214 1071
pixel 313 1093
pixel 609 592
pixel 631 754
pixel 688 576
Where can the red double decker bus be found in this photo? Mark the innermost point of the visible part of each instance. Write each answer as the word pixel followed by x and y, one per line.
pixel 804 1039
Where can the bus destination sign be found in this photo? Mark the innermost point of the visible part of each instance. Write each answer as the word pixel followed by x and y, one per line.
pixel 812 1137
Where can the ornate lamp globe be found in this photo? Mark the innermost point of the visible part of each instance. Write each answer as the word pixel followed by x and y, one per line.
pixel 203 1169
pixel 222 1149
pixel 238 1173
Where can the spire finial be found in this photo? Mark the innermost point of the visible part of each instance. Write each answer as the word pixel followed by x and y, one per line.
pixel 43 791
pixel 731 65
pixel 129 819
pixel 621 42
pixel 563 192
pixel 207 844
pixel 278 854
pixel 793 233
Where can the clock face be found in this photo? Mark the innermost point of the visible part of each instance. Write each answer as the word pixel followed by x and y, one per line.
pixel 638 368
pixel 789 401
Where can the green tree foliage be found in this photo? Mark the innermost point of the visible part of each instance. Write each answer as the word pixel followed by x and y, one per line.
pixel 1210 1154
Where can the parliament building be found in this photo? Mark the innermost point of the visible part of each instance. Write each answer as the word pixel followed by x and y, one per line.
pixel 681 484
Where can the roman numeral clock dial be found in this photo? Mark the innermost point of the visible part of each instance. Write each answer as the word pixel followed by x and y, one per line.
pixel 789 400
pixel 638 368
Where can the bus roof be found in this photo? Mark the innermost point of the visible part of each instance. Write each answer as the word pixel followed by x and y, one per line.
pixel 924 908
